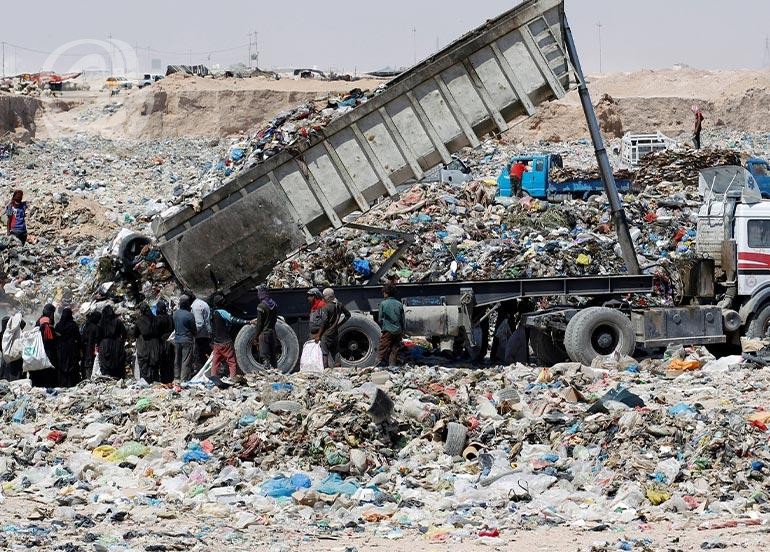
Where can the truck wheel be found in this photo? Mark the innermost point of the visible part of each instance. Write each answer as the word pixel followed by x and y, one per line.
pixel 760 322
pixel 359 341
pixel 549 351
pixel 247 354
pixel 598 331
pixel 478 352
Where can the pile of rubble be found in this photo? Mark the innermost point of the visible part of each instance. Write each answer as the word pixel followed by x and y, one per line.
pixel 449 454
pixel 285 131
pixel 460 233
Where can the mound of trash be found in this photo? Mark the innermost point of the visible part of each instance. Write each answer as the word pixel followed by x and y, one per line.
pixel 446 453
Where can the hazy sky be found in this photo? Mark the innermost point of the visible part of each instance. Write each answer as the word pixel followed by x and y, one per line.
pixel 366 35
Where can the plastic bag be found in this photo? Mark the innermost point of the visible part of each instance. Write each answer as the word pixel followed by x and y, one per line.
pixel 96 371
pixel 312 358
pixel 33 351
pixel 11 343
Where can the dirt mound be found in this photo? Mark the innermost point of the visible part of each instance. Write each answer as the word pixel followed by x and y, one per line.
pixel 647 101
pixel 18 112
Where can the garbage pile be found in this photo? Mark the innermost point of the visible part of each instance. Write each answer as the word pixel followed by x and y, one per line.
pixel 681 165
pixel 286 130
pixel 460 233
pixel 444 453
pixel 672 165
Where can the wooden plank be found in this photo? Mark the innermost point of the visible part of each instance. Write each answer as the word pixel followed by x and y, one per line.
pixel 542 63
pixel 513 80
pixel 342 171
pixel 309 239
pixel 429 129
pixel 483 93
pixel 403 147
pixel 454 109
pixel 310 180
pixel 374 161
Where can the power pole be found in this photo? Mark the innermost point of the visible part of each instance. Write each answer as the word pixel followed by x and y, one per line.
pixel 3 59
pixel 256 50
pixel 599 28
pixel 414 44
pixel 248 61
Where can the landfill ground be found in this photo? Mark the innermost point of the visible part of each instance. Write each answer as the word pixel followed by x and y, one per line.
pixel 291 462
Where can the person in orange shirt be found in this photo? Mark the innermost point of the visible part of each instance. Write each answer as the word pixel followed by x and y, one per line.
pixel 516 172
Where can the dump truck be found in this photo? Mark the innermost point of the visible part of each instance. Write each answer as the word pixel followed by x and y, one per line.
pixel 537 181
pixel 477 85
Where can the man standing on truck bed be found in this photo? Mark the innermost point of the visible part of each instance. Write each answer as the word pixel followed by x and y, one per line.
pixel 393 324
pixel 336 314
pixel 516 172
pixel 698 126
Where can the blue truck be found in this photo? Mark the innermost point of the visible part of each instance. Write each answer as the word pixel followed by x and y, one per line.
pixel 760 170
pixel 537 183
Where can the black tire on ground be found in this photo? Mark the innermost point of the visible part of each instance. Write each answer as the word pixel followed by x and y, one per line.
pixel 759 323
pixel 288 349
pixel 455 439
pixel 549 351
pixel 359 341
pixel 598 331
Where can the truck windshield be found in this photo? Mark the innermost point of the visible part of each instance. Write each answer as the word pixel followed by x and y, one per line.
pixel 759 233
pixel 760 169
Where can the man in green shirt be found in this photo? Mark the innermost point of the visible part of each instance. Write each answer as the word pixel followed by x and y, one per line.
pixel 393 324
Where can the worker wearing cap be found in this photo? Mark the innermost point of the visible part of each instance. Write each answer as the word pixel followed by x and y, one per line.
pixel 335 315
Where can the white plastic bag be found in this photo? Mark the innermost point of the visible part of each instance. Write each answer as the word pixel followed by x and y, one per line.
pixel 11 342
pixel 312 359
pixel 96 371
pixel 33 351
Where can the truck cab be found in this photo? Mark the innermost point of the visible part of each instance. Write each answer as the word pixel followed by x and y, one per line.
pixel 533 182
pixel 760 170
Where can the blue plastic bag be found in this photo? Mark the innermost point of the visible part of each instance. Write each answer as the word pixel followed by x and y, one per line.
pixel 334 484
pixel 282 486
pixel 362 267
pixel 195 453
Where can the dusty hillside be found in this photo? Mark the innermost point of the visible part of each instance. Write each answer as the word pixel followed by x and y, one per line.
pixel 646 101
pixel 185 106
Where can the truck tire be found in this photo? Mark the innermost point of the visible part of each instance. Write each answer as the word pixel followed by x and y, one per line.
pixel 456 435
pixel 288 349
pixel 359 341
pixel 759 323
pixel 598 331
pixel 549 351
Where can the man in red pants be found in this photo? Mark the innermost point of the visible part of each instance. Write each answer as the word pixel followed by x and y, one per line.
pixel 222 349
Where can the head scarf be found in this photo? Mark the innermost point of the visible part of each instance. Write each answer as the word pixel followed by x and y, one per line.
pixel 264 295
pixel 66 326
pixel 50 311
pixel 161 307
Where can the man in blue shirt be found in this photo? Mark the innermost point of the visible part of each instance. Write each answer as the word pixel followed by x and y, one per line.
pixel 393 324
pixel 16 212
pixel 184 340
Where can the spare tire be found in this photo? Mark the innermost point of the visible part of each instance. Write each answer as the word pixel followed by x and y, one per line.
pixel 549 351
pixel 598 331
pixel 359 341
pixel 288 349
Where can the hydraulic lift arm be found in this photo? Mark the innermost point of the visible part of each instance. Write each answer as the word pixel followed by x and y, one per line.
pixel 616 204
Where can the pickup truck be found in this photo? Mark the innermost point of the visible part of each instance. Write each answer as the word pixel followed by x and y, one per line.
pixel 537 183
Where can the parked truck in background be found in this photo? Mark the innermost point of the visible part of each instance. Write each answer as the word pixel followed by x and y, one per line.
pixel 476 85
pixel 537 182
